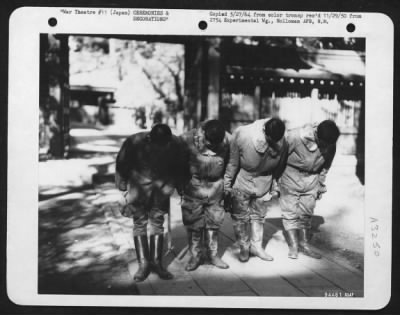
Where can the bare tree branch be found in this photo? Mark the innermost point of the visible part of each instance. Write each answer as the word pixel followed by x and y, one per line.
pixel 177 82
pixel 154 84
pixel 158 84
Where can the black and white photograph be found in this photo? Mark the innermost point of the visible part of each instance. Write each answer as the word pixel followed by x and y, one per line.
pixel 228 225
pixel 172 167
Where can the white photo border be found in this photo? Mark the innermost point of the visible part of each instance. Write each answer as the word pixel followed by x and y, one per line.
pixel 26 25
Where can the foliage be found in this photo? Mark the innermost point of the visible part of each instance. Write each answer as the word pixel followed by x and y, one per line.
pixel 308 43
pixel 161 64
pixel 88 53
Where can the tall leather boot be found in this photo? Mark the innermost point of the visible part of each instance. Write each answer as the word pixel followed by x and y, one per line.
pixel 156 250
pixel 241 230
pixel 212 247
pixel 195 245
pixel 257 233
pixel 304 245
pixel 142 254
pixel 293 243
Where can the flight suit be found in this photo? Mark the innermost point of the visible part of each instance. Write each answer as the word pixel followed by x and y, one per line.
pixel 147 174
pixel 203 194
pixel 301 185
pixel 303 180
pixel 251 176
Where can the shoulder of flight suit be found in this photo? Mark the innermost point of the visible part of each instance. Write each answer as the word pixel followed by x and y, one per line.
pixel 293 138
pixel 238 134
pixel 228 138
pixel 126 157
pixel 188 135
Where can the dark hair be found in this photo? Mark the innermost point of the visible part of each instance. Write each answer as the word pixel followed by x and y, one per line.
pixel 274 128
pixel 328 132
pixel 160 134
pixel 214 131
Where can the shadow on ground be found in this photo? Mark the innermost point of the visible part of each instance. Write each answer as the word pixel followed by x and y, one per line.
pixel 316 222
pixel 77 253
pixel 80 253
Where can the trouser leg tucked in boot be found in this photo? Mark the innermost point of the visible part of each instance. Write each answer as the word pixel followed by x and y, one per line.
pixel 304 245
pixel 156 249
pixel 212 248
pixel 142 254
pixel 195 248
pixel 241 230
pixel 293 243
pixel 257 232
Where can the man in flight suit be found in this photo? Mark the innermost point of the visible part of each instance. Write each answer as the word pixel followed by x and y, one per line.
pixel 257 158
pixel 147 171
pixel 311 151
pixel 207 152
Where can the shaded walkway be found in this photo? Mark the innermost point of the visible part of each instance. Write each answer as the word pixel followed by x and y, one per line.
pixel 282 277
pixel 86 246
pixel 77 251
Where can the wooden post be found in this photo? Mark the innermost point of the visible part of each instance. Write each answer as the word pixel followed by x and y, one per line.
pixel 54 90
pixel 203 82
pixel 213 96
pixel 257 101
pixel 65 94
pixel 193 78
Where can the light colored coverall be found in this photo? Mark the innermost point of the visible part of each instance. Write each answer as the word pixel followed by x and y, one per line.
pixel 252 168
pixel 302 181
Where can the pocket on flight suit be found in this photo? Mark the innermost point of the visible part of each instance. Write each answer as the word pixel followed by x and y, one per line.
pixel 307 204
pixel 125 207
pixel 288 204
pixel 135 197
pixel 240 202
pixel 214 215
pixel 192 210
